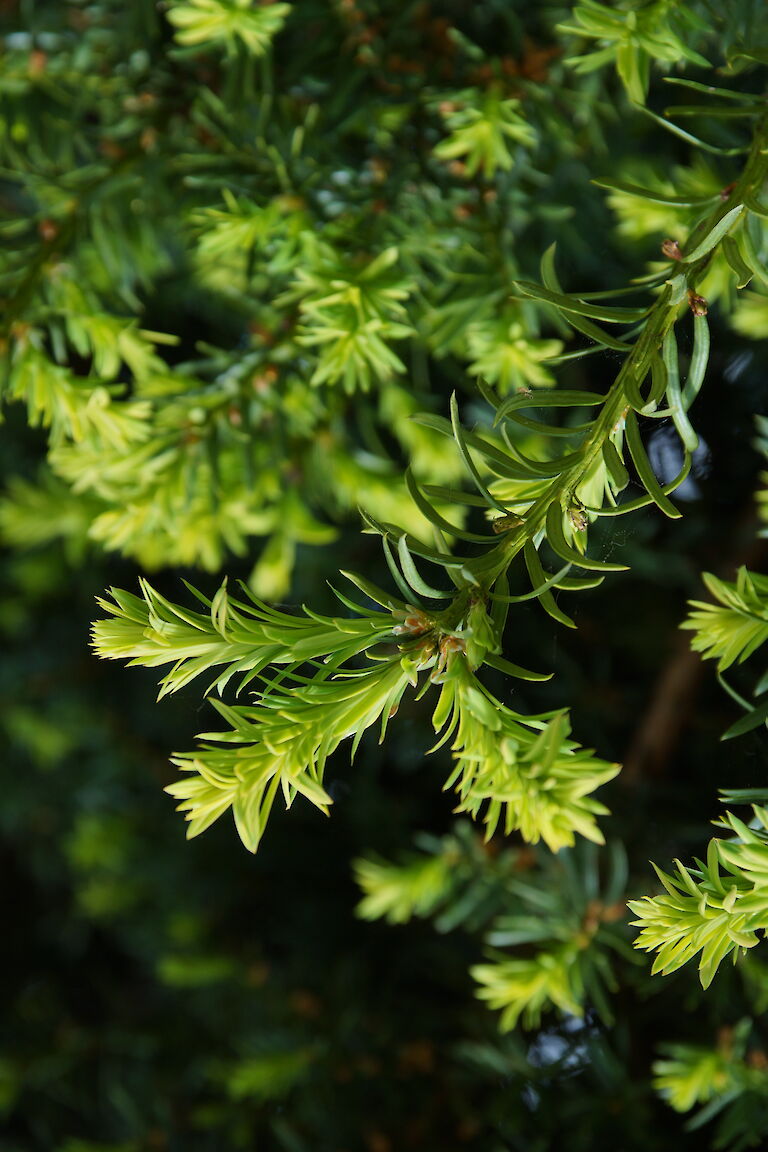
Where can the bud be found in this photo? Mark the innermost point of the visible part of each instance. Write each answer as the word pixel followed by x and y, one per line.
pixel 698 304
pixel 148 139
pixel 671 249
pixel 506 523
pixel 262 382
pixel 38 62
pixel 448 647
pixel 48 230
pixel 415 623
pixel 577 514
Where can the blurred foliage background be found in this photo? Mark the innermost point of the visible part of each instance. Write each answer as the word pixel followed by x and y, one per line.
pixel 321 208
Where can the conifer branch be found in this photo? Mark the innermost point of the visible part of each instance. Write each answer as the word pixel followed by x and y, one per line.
pixel 540 783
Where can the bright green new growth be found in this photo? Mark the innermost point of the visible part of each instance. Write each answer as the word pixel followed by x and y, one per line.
pixel 351 315
pixel 660 32
pixel 524 987
pixel 539 783
pixel 714 909
pixel 483 137
pixel 733 627
pixel 523 770
pixel 689 1076
pixel 283 743
pixel 717 909
pixel 726 1080
pixel 397 893
pixel 225 22
pixel 245 635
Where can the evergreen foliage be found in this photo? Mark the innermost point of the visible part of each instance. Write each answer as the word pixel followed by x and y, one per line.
pixel 270 268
